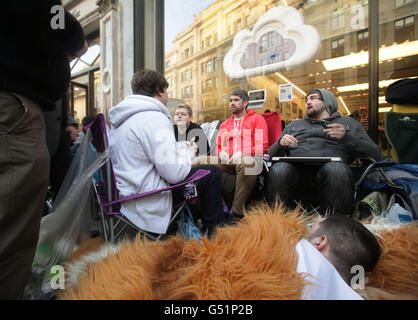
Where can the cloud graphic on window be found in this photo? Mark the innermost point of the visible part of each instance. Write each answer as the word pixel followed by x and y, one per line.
pixel 279 40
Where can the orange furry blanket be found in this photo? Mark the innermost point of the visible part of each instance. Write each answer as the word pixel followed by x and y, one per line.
pixel 240 262
pixel 396 272
pixel 255 259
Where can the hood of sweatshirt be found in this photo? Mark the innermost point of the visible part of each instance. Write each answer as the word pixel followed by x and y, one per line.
pixel 134 104
pixel 331 103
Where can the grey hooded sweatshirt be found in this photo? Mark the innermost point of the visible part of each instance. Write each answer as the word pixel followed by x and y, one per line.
pixel 145 158
pixel 314 142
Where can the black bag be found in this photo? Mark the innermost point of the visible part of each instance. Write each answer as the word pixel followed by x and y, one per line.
pixel 403 91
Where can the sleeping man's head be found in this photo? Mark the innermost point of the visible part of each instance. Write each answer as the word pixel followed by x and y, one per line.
pixel 345 243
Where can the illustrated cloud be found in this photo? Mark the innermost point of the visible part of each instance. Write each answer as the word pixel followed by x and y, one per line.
pixel 278 41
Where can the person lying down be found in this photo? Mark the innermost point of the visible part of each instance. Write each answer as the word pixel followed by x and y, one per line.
pixel 269 254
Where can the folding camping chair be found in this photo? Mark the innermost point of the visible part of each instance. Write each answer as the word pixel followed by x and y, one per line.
pixel 107 193
pixel 401 130
pixel 399 177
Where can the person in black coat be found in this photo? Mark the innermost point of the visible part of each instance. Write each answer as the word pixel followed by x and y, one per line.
pixel 186 130
pixel 38 40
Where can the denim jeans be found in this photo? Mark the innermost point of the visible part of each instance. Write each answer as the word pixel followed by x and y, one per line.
pixel 330 185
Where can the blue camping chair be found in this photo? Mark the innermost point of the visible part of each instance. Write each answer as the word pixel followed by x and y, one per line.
pixel 400 177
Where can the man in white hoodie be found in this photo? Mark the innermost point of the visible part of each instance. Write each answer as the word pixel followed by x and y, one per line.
pixel 145 157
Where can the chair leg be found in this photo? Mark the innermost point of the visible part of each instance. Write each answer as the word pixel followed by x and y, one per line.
pixel 112 231
pixel 103 217
pixel 120 231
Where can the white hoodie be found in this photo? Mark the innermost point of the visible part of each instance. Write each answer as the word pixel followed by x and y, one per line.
pixel 145 158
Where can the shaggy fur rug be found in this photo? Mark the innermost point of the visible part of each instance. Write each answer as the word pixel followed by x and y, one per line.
pixel 256 259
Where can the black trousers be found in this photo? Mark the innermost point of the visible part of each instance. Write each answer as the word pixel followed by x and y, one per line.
pixel 209 196
pixel 330 185
pixel 24 173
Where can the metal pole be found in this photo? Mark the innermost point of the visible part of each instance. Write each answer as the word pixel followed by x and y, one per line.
pixel 159 35
pixel 373 68
pixel 138 35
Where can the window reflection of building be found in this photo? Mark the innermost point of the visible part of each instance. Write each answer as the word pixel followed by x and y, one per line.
pixel 269 49
pixel 337 19
pixel 404 29
pixel 343 32
pixel 337 47
pixel 362 39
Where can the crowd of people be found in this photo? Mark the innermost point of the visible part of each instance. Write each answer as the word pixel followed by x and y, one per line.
pixel 166 154
pixel 148 152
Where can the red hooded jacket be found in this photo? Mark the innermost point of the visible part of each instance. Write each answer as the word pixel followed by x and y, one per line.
pixel 248 135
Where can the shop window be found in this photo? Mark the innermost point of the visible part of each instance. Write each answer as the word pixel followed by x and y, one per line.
pixel 404 29
pixel 273 39
pixel 247 21
pixel 337 78
pixel 209 41
pixel 347 77
pixel 186 53
pixel 337 47
pixel 187 92
pixel 230 30
pixel 337 20
pixel 362 40
pixel 187 75
pixel 239 25
pixel 263 45
pixel 400 3
pixel 209 66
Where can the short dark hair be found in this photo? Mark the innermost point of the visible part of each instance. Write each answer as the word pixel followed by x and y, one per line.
pixel 314 91
pixel 148 83
pixel 351 243
pixel 240 93
pixel 187 107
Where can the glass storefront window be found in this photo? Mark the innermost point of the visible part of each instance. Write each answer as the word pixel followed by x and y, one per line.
pixel 85 82
pixel 265 44
pixel 89 59
pixel 398 55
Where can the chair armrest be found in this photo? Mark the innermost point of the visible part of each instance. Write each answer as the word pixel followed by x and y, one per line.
pixel 199 174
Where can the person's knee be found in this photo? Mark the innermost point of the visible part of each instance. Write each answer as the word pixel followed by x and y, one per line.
pixel 249 166
pixel 280 181
pixel 336 171
pixel 280 171
pixel 215 172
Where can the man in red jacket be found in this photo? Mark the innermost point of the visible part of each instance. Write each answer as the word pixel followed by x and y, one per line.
pixel 241 142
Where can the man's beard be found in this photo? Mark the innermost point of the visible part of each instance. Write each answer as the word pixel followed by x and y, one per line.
pixel 315 112
pixel 237 110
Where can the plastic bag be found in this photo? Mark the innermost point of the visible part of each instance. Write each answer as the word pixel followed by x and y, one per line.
pixel 69 222
pixel 397 214
pixel 186 225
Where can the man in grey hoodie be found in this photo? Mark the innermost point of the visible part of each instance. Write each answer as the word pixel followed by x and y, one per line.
pixel 145 158
pixel 322 133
